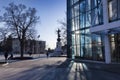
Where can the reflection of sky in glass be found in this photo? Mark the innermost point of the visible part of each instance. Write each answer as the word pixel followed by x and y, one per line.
pixel 49 11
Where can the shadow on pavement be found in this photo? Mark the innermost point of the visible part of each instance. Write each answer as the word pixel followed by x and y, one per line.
pixel 67 70
pixel 57 71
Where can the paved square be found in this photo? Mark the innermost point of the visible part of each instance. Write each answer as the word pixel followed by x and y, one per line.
pixel 55 68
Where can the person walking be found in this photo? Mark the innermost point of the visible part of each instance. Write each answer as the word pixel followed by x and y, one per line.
pixel 47 54
pixel 6 56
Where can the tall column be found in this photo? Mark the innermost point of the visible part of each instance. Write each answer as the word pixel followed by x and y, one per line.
pixel 107 49
pixel 69 38
pixel 105 11
pixel 106 38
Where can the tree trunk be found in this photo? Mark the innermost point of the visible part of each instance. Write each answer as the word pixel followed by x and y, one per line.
pixel 22 43
pixel 22 48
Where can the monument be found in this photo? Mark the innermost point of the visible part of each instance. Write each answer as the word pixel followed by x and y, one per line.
pixel 58 49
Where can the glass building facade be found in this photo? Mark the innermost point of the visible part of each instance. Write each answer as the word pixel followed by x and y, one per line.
pixel 82 15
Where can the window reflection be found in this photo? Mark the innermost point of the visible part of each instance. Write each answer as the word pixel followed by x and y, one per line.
pixel 114 9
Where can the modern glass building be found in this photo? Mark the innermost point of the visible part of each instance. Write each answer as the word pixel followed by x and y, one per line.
pixel 93 30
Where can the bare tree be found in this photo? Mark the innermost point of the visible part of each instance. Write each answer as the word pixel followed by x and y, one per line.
pixel 31 34
pixel 3 33
pixel 20 20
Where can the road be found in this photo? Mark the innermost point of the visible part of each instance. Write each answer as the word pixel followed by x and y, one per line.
pixel 55 68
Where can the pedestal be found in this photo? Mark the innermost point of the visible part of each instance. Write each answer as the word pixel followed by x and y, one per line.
pixel 58 49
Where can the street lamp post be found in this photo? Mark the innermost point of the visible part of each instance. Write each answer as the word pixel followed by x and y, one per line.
pixel 39 44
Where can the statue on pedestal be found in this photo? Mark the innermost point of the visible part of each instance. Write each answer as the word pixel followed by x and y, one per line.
pixel 58 39
pixel 58 33
pixel 58 49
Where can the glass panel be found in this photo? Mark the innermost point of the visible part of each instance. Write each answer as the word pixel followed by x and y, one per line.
pixel 88 19
pixel 78 50
pixel 72 10
pixel 95 17
pixel 73 25
pixel 72 2
pixel 115 47
pixel 75 53
pixel 78 39
pixel 83 51
pixel 88 53
pixel 73 44
pixel 97 12
pixel 76 23
pixel 78 43
pixel 82 7
pixel 87 36
pixel 76 10
pixel 82 38
pixel 76 1
pixel 97 47
pixel 88 5
pixel 100 14
pixel 82 43
pixel 119 9
pixel 94 3
pixel 82 21
pixel 113 9
pixel 73 39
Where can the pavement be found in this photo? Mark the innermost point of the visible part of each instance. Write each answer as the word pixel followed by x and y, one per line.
pixel 58 68
pixel 112 67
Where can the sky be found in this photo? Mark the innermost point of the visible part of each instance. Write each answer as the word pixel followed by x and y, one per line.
pixel 50 11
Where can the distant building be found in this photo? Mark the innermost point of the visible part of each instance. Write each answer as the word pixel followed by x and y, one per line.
pixel 93 30
pixel 31 46
pixel 15 45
